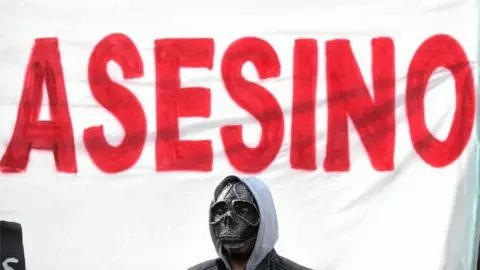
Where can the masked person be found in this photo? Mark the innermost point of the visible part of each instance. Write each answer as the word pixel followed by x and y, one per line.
pixel 244 228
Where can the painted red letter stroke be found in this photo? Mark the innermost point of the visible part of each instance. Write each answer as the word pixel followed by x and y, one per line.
pixel 347 95
pixel 173 101
pixel 119 101
pixel 305 73
pixel 56 134
pixel 440 51
pixel 256 100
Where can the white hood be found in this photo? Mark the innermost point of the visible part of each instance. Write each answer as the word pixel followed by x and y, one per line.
pixel 268 230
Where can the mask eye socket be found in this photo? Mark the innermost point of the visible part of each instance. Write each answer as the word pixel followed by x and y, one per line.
pixel 247 210
pixel 218 210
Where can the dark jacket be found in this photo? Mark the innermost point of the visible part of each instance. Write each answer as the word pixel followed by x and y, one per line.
pixel 11 246
pixel 263 256
pixel 272 261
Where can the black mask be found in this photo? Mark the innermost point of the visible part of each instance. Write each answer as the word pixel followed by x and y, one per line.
pixel 234 216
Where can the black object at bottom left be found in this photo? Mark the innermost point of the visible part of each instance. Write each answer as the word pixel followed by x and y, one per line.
pixel 12 255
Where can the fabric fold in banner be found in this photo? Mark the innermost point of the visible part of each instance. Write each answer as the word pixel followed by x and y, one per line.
pixel 12 255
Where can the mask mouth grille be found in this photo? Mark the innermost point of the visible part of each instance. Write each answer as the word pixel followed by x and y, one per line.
pixel 242 209
pixel 230 238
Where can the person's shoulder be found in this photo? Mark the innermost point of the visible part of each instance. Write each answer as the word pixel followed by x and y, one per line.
pixel 206 265
pixel 289 264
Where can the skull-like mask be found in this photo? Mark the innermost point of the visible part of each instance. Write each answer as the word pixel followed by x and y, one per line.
pixel 234 216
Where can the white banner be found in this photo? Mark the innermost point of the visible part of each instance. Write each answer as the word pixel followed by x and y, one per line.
pixel 119 118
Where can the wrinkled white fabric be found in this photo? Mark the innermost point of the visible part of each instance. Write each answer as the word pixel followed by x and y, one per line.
pixel 417 217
